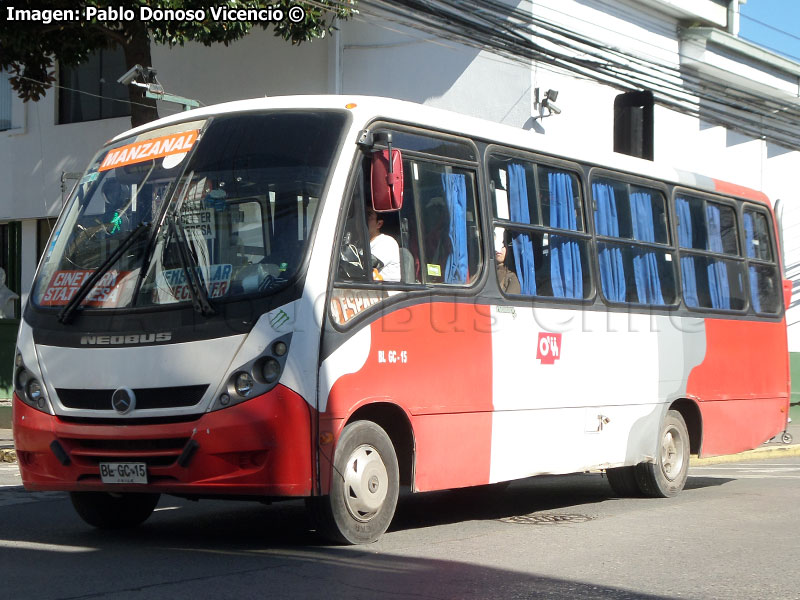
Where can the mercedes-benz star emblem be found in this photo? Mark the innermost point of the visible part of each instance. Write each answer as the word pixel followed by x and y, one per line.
pixel 123 400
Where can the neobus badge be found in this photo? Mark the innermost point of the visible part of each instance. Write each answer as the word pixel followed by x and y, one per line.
pixel 548 349
pixel 126 340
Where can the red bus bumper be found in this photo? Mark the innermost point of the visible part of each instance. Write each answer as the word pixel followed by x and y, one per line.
pixel 259 447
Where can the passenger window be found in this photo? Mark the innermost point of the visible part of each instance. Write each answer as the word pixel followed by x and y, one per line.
pixel 443 239
pixel 706 225
pixel 535 194
pixel 539 248
pixel 757 238
pixel 762 273
pixel 709 280
pixel 639 271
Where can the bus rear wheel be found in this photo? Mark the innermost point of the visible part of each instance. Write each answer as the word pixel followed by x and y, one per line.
pixel 666 477
pixel 113 511
pixel 364 487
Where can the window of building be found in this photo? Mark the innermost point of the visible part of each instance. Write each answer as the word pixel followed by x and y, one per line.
pixel 90 91
pixel 44 227
pixel 540 245
pixel 5 101
pixel 10 245
pixel 633 124
pixel 639 270
pixel 711 270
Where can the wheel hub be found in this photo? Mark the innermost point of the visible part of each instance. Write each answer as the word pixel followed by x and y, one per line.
pixel 366 483
pixel 672 457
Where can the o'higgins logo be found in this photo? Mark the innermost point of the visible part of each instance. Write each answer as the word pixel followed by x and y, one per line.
pixel 129 339
pixel 548 349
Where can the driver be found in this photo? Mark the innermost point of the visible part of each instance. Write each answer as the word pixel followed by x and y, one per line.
pixel 384 248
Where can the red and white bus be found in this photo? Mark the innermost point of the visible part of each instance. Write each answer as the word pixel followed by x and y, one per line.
pixel 328 298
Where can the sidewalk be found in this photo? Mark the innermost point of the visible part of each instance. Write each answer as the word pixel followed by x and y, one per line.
pixel 7 452
pixel 770 449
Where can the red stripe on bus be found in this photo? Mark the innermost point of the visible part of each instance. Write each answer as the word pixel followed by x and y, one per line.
pixel 434 361
pixel 742 384
pixel 740 191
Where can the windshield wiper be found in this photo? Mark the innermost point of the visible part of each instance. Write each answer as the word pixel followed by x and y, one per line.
pixel 189 266
pixel 89 283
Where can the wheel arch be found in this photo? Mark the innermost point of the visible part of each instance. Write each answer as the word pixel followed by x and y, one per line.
pixel 395 422
pixel 690 412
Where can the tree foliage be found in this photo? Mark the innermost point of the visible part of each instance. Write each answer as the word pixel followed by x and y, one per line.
pixel 30 48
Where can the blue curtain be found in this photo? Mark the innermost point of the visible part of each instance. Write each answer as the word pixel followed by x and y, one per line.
pixel 688 273
pixel 645 264
pixel 566 271
pixel 749 237
pixel 455 189
pixel 612 274
pixel 521 244
pixel 717 271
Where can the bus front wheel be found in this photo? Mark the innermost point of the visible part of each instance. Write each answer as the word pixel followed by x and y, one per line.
pixel 113 511
pixel 666 476
pixel 364 487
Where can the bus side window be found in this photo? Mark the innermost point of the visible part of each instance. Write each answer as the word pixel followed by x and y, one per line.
pixel 543 244
pixel 713 279
pixel 762 271
pixel 630 222
pixel 448 242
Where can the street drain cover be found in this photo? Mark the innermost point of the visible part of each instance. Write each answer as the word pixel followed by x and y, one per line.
pixel 538 519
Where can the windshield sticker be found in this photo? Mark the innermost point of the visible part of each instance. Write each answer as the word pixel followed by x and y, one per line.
pixel 149 149
pixel 89 178
pixel 65 284
pixel 217 278
pixel 198 219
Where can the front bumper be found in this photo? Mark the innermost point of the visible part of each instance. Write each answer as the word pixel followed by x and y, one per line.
pixel 261 447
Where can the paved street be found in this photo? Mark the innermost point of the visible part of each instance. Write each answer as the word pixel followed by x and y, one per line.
pixel 734 533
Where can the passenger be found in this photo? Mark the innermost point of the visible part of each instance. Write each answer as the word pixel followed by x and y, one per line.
pixel 504 259
pixel 384 248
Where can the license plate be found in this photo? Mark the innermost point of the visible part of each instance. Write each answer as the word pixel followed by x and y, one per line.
pixel 123 472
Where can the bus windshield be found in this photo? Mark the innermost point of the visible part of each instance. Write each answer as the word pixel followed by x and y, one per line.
pixel 240 193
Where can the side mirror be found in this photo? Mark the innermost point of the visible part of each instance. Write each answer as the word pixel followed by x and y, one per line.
pixel 386 180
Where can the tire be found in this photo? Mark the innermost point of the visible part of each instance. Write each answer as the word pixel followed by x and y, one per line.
pixel 623 482
pixel 666 477
pixel 786 437
pixel 117 511
pixel 364 486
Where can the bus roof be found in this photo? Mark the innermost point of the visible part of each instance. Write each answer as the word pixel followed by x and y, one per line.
pixel 366 109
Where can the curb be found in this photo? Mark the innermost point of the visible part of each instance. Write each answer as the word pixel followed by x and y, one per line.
pixel 757 454
pixel 9 455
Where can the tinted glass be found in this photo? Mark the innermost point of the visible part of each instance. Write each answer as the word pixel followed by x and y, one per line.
pixel 628 211
pixel 757 238
pixel 543 264
pixel 710 282
pixel 705 225
pixel 634 274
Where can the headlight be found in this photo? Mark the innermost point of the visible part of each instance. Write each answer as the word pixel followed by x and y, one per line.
pixel 27 387
pixel 244 384
pixel 270 370
pixel 255 377
pixel 33 392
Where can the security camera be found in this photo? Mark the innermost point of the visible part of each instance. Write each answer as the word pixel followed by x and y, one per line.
pixel 131 74
pixel 553 108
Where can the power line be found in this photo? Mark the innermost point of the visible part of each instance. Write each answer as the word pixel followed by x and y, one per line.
pixel 518 34
pixel 768 26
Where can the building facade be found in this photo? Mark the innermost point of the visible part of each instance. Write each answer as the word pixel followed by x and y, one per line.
pixel 669 80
